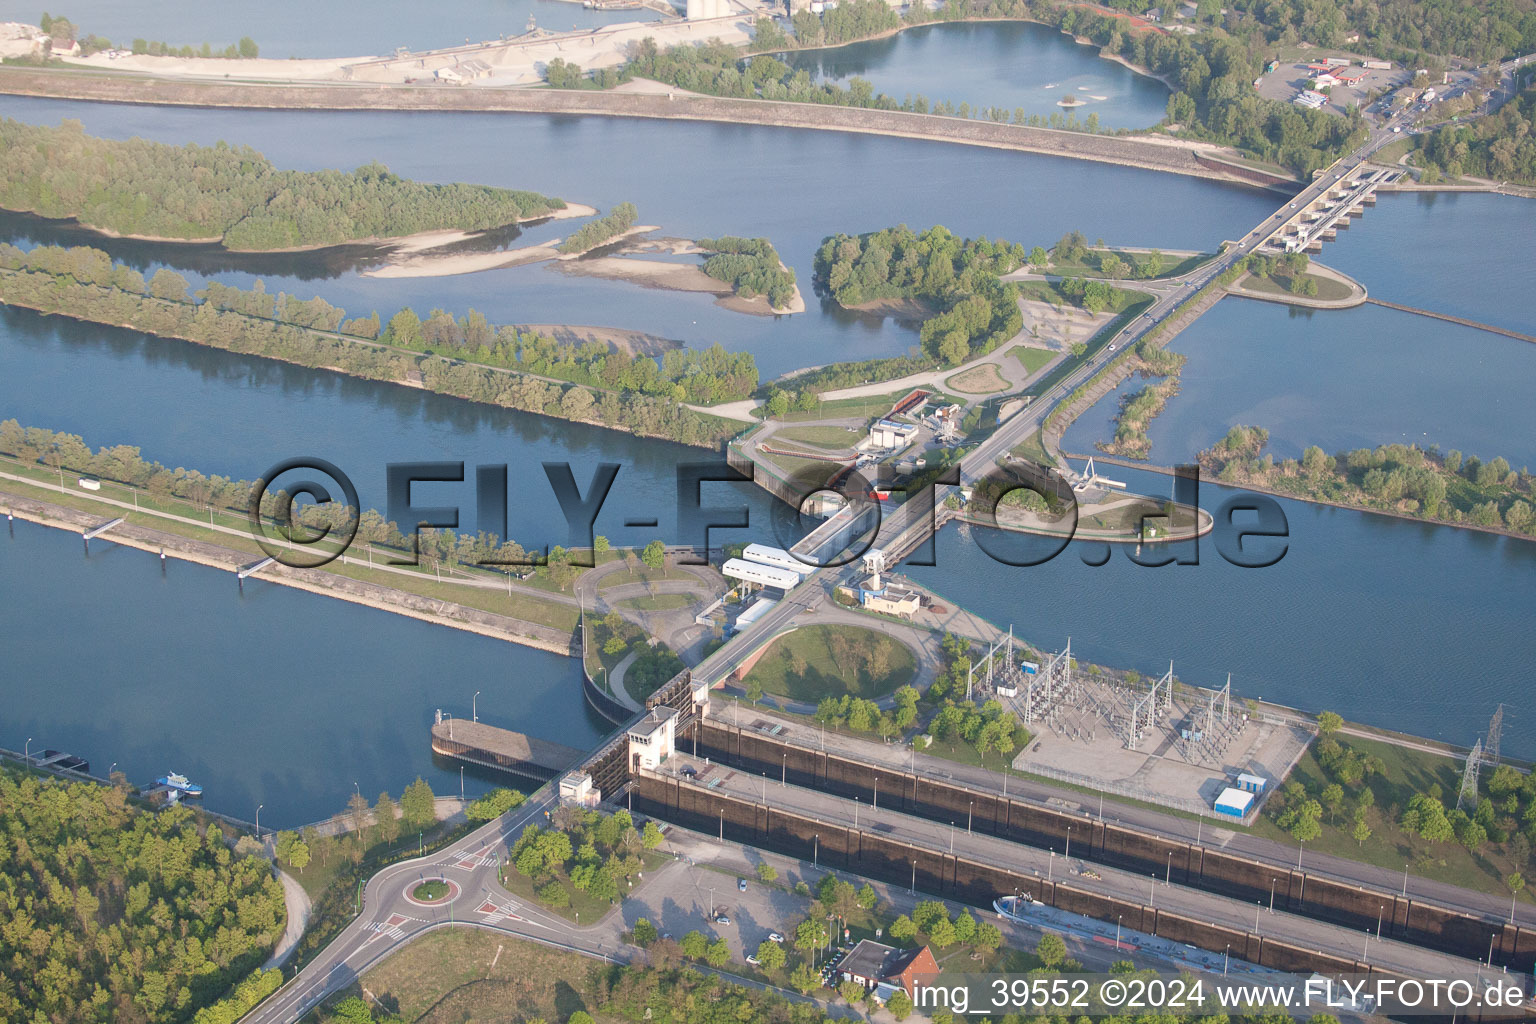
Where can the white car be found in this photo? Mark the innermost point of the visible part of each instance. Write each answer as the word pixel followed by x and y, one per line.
pixel 753 960
pixel 775 937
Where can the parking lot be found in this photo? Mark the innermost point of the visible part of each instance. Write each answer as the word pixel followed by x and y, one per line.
pixel 1291 77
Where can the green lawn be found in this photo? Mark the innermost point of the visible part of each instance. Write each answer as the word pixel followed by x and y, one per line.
pixel 1328 289
pixel 469 974
pixel 582 907
pixel 1408 771
pixel 657 602
pixel 1033 450
pixel 416 581
pixel 430 890
pixel 828 437
pixel 828 661
pixel 639 572
pixel 1172 266
pixel 1032 358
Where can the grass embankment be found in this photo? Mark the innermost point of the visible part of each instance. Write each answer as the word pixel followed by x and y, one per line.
pixel 1296 286
pixel 829 438
pixel 639 572
pixel 1032 359
pixel 815 662
pixel 1396 479
pixel 1402 773
pixel 467 974
pixel 1090 264
pixel 231 530
pixel 657 602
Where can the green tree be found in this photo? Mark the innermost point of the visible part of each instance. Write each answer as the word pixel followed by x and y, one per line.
pixel 386 818
pixel 1051 950
pixel 654 554
pixel 771 955
pixel 902 929
pixel 1333 798
pixel 644 932
pixel 718 953
pixel 943 933
pixel 804 979
pixel 1329 722
pixel 580 1017
pixel 766 872
pixel 988 937
pixel 694 944
pixel 900 1005
pixel 651 836
pixel 1361 832
pixel 811 935
pixel 248 48
pixel 418 807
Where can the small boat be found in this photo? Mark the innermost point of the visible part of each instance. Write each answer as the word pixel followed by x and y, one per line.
pixel 1014 908
pixel 179 783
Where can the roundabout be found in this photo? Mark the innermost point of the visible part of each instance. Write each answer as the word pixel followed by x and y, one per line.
pixel 431 892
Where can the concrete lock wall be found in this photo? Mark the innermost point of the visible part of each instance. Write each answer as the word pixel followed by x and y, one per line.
pixel 839 847
pixel 1120 846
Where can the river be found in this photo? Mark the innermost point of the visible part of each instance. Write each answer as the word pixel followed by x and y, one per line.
pixel 1362 607
pixel 293 28
pixel 1014 65
pixel 695 181
pixel 1369 375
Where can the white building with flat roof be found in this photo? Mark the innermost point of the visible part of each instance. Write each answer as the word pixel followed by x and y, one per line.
pixel 653 738
pixel 759 575
pixel 776 557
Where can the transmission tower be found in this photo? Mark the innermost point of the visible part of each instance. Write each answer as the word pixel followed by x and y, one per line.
pixel 1495 733
pixel 1468 792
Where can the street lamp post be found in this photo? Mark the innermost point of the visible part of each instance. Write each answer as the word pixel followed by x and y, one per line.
pixel 1225 958
pixel 1299 847
pixel 913 889
pixel 969 810
pixel 1068 851
pixel 1118 919
pixel 1405 879
pixel 1271 895
pixel 258 818
pixel 855 814
pixel 1168 875
pixel 1050 867
pixel 951 839
pixel 474 707
pixel 816 851
pixel 784 771
pixel 26 751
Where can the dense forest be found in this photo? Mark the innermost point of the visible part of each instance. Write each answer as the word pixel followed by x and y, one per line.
pixel 595 232
pixel 1501 147
pixel 959 277
pixel 691 375
pixel 115 913
pixel 85 283
pixel 1405 479
pixel 232 193
pixel 751 266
